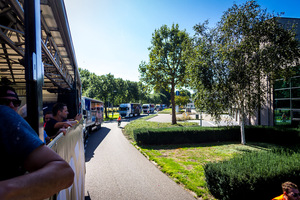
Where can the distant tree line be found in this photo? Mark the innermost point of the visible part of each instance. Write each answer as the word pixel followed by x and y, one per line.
pixel 114 91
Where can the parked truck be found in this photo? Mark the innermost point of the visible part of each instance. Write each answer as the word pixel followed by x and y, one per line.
pixel 148 108
pixel 92 112
pixel 130 109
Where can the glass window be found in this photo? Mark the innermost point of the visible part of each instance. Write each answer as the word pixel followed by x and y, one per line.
pixel 295 82
pixel 282 93
pixel 282 104
pixel 296 114
pixel 281 84
pixel 282 117
pixel 295 93
pixel 297 70
pixel 296 104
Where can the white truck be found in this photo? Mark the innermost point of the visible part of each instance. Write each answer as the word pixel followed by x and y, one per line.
pixel 92 112
pixel 148 108
pixel 130 109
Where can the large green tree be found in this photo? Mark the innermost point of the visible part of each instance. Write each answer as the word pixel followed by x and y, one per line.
pixel 167 65
pixel 122 92
pixel 183 98
pixel 85 77
pixel 234 64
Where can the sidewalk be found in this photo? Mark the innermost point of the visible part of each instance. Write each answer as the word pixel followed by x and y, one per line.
pixel 115 169
pixel 206 119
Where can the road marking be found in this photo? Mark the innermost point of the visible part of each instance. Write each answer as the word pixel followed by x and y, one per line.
pixel 211 123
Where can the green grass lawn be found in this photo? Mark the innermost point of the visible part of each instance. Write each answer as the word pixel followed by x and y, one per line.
pixel 169 111
pixel 142 123
pixel 111 116
pixel 184 163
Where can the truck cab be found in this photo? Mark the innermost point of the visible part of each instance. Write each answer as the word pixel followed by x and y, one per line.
pixel 130 109
pixel 148 108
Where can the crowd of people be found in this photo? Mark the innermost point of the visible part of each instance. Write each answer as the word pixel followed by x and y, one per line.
pixel 28 161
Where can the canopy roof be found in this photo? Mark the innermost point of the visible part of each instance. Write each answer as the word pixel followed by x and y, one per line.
pixel 58 55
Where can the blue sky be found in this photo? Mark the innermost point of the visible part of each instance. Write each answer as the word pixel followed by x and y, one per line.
pixel 113 36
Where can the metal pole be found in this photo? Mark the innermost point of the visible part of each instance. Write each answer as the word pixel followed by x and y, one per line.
pixel 34 70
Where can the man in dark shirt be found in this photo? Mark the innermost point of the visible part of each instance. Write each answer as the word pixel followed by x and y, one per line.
pixel 59 120
pixel 22 151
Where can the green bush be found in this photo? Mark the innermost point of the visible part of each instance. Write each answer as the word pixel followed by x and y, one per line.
pixel 183 135
pixel 254 175
pixel 272 135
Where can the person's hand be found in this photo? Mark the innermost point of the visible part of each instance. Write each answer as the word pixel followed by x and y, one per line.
pixel 68 124
pixel 63 130
pixel 78 117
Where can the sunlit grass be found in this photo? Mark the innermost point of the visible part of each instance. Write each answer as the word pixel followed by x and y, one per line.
pixel 142 123
pixel 184 163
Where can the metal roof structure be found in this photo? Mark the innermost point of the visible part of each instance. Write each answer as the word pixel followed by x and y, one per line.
pixel 58 55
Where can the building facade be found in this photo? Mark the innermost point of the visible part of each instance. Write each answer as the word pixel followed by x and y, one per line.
pixel 282 103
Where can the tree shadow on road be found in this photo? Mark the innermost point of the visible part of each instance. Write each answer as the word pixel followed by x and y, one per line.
pixel 94 140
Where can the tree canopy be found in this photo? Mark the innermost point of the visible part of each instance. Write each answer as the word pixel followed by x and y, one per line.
pixel 168 60
pixel 234 64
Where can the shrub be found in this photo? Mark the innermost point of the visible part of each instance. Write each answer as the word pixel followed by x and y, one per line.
pixel 253 175
pixel 183 135
pixel 272 135
pixel 185 116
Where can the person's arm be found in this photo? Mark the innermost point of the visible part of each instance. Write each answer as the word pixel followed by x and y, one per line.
pixel 65 124
pixel 48 174
pixel 77 118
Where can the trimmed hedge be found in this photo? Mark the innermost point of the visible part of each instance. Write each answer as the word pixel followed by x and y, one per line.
pixel 183 135
pixel 272 135
pixel 254 175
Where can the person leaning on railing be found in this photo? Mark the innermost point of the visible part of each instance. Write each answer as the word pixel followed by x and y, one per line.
pixel 59 120
pixel 29 169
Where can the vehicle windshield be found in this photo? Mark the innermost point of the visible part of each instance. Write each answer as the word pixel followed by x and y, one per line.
pixel 123 108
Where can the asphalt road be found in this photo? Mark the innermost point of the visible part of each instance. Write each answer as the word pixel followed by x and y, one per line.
pixel 205 122
pixel 118 171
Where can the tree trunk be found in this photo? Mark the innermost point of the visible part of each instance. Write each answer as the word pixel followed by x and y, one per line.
pixel 105 108
pixel 173 104
pixel 242 125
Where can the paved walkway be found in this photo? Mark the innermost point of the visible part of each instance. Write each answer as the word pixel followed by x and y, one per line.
pixel 118 171
pixel 207 120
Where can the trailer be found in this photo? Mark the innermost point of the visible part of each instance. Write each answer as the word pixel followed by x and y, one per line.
pixel 130 109
pixel 38 60
pixel 148 108
pixel 92 112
